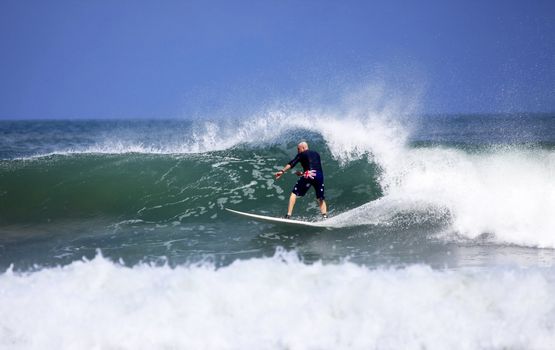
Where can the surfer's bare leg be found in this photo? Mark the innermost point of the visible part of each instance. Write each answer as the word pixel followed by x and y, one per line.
pixel 292 200
pixel 323 206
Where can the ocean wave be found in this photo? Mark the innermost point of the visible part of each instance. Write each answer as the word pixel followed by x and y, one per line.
pixel 277 302
pixel 505 192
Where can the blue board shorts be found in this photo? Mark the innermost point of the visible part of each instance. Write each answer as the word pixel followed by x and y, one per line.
pixel 303 184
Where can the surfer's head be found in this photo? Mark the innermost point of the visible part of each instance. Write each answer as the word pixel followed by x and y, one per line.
pixel 301 147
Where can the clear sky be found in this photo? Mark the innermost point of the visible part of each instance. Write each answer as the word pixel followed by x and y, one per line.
pixel 125 59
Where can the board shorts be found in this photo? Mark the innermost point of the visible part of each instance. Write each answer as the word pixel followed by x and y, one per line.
pixel 304 183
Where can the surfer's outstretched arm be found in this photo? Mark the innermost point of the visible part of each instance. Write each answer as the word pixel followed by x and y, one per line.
pixel 282 171
pixel 300 148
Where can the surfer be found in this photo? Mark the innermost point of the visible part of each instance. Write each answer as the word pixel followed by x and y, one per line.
pixel 312 175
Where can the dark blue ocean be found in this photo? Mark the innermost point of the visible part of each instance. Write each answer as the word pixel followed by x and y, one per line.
pixel 441 233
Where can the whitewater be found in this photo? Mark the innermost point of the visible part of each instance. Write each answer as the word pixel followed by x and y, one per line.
pixel 275 303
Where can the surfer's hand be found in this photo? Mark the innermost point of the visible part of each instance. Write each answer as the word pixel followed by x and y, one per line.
pixel 279 173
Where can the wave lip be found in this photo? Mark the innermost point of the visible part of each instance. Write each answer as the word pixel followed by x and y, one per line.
pixel 277 302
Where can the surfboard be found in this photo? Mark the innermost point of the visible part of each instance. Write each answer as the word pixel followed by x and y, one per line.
pixel 272 219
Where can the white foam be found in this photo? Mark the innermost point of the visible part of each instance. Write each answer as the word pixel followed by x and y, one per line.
pixel 275 303
pixel 509 193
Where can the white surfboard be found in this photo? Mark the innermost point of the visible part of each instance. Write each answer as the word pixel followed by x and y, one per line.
pixel 279 220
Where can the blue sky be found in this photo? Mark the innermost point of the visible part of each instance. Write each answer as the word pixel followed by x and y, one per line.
pixel 150 59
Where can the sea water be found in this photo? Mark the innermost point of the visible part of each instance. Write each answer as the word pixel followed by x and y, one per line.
pixel 442 233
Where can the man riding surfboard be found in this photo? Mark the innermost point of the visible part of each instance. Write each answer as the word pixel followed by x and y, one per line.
pixel 312 175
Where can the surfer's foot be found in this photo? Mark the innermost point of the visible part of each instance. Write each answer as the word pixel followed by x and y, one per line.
pixel 325 216
pixel 287 216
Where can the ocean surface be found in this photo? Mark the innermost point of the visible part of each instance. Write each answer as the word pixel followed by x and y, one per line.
pixel 113 234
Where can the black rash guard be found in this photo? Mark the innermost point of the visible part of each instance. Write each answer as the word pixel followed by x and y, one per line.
pixel 310 160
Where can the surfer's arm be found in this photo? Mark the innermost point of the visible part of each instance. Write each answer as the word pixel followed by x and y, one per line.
pixel 294 162
pixel 288 166
pixel 282 171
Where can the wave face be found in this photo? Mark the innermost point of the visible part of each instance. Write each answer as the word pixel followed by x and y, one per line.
pixel 455 170
pixel 275 303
